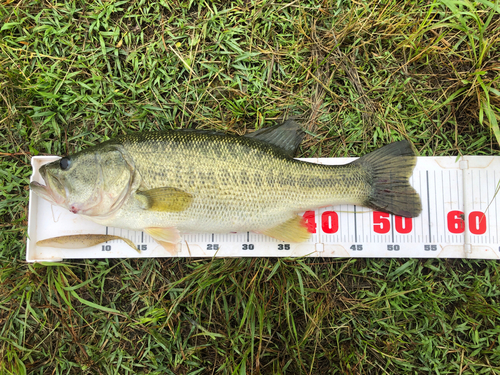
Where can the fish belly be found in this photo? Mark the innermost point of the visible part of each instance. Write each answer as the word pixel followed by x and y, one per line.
pixel 225 206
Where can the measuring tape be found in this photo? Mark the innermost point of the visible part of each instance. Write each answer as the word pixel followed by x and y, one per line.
pixel 458 220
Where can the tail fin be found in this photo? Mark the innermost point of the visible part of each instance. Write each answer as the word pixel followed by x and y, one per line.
pixel 389 169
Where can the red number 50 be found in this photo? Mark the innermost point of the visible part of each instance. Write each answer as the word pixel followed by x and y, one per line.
pixel 382 224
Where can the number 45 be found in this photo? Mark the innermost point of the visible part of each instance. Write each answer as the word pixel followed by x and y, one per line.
pixel 356 247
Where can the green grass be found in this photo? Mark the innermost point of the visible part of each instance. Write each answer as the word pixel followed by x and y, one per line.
pixel 356 74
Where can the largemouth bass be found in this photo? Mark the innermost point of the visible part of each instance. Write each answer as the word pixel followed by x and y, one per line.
pixel 169 182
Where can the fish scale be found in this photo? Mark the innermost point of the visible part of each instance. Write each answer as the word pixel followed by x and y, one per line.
pixel 237 183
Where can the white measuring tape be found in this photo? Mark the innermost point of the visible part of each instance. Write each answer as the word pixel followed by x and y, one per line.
pixel 458 220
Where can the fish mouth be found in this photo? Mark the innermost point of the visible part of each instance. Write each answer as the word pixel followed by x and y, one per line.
pixel 47 191
pixel 43 191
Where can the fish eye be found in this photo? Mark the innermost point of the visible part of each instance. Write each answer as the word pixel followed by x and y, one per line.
pixel 64 163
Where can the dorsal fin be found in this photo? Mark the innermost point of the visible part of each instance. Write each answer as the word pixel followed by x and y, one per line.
pixel 286 136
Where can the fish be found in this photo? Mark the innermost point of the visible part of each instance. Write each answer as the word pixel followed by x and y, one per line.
pixel 81 241
pixel 185 181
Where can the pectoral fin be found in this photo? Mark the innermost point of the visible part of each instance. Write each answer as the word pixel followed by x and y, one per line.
pixel 292 230
pixel 165 199
pixel 169 238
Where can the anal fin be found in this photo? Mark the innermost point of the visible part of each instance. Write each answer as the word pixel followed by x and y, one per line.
pixel 292 230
